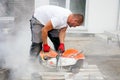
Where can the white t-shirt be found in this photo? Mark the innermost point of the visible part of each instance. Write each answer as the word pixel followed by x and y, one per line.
pixel 57 15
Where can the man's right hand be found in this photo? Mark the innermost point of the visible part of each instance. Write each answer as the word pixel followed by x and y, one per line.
pixel 46 48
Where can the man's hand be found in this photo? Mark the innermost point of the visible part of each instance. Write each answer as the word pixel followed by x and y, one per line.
pixel 46 48
pixel 61 47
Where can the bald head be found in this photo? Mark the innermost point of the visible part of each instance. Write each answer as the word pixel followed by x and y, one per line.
pixel 79 18
pixel 75 20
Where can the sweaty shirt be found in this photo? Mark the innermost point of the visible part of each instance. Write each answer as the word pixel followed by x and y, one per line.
pixel 57 15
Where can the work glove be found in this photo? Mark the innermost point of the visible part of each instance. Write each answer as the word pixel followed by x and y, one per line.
pixel 46 48
pixel 61 48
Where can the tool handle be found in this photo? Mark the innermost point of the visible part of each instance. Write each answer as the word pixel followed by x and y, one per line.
pixel 59 52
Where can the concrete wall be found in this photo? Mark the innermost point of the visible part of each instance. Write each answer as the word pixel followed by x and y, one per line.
pixel 14 15
pixel 41 2
pixel 102 15
pixel 119 17
pixel 23 9
pixel 6 9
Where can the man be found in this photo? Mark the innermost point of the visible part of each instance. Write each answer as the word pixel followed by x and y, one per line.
pixel 51 21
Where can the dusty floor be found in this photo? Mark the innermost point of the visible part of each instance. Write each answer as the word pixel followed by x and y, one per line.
pixel 14 52
pixel 98 52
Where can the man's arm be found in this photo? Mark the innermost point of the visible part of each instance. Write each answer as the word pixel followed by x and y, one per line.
pixel 45 30
pixel 62 34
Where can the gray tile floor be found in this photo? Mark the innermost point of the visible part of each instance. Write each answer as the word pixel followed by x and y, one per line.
pixel 98 52
pixel 14 52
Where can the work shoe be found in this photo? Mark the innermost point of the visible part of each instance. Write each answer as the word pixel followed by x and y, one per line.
pixel 35 49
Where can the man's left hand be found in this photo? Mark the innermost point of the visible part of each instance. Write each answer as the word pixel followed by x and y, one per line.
pixel 61 47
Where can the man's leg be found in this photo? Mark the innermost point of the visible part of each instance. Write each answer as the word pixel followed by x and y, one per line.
pixel 53 35
pixel 35 49
pixel 36 45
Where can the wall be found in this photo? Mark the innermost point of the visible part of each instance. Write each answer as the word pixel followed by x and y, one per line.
pixel 102 15
pixel 41 2
pixel 118 26
pixel 6 9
